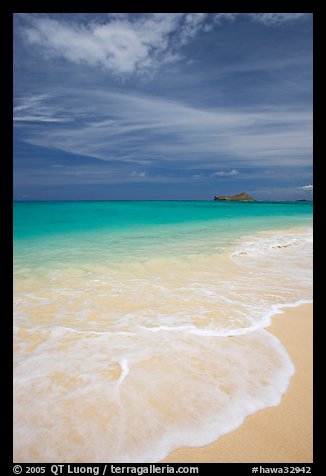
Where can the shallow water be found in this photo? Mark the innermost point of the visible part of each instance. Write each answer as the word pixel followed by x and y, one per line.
pixel 139 326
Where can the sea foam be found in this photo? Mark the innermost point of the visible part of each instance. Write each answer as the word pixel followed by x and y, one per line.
pixel 126 364
pixel 99 398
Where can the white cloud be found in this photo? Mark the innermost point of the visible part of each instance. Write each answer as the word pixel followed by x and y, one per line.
pixel 220 17
pixel 268 19
pixel 121 45
pixel 193 23
pixel 225 174
pixel 276 18
pixel 115 45
pixel 307 188
pixel 124 43
pixel 138 174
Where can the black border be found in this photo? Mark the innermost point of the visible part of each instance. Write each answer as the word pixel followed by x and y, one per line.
pixel 7 206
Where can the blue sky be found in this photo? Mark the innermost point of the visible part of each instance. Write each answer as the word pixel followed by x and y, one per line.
pixel 162 106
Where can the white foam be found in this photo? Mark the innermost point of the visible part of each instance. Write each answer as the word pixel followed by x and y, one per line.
pixel 124 369
pixel 272 243
pixel 126 365
pixel 177 390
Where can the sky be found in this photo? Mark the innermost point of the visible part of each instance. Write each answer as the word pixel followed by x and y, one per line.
pixel 156 106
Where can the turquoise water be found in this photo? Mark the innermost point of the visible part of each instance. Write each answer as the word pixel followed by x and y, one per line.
pixel 117 229
pixel 140 327
pixel 40 219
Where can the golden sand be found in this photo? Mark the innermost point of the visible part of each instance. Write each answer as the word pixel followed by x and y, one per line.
pixel 281 434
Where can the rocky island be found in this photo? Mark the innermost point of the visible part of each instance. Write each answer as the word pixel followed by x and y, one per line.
pixel 240 197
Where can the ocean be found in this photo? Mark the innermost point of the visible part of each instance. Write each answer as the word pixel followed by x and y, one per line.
pixel 142 326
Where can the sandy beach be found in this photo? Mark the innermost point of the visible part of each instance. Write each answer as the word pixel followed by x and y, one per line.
pixel 141 338
pixel 281 434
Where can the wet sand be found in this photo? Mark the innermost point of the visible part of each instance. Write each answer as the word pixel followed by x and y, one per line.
pixel 281 434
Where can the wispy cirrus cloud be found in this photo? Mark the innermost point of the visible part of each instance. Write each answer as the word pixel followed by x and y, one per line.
pixel 268 19
pixel 26 118
pixel 37 108
pixel 275 19
pixel 222 173
pixel 150 130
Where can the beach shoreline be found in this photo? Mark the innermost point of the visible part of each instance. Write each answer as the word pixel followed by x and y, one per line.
pixel 279 434
pixel 162 341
